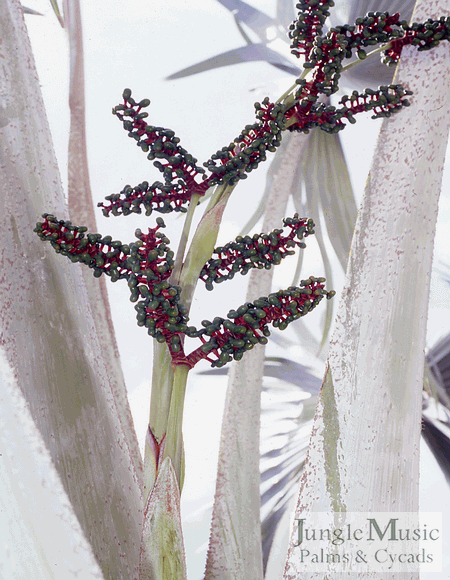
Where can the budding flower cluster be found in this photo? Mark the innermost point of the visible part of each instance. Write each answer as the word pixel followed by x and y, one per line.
pixel 308 26
pixel 425 36
pixel 249 148
pixel 147 264
pixel 259 251
pixel 160 197
pixel 248 325
pixel 324 56
pixel 102 254
pixel 161 144
pixel 383 102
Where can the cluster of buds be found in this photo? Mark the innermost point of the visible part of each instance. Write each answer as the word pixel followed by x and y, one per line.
pixel 147 263
pixel 308 26
pixel 247 326
pixel 160 197
pixel 161 144
pixel 182 177
pixel 259 251
pixel 324 56
pixel 248 149
pixel 383 102
pixel 374 28
pixel 102 254
pixel 424 36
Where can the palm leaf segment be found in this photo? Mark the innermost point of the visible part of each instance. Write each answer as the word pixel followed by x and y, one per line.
pixel 264 27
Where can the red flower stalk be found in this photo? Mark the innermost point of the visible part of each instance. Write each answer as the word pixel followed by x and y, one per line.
pixel 103 255
pixel 383 103
pixel 258 251
pixel 160 197
pixel 249 148
pixel 146 260
pixel 172 160
pixel 325 56
pixel 425 36
pixel 308 26
pixel 147 264
pixel 230 339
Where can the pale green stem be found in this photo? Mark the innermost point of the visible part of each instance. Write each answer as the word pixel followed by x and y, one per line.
pixel 215 197
pixel 167 397
pixel 162 380
pixel 163 376
pixel 203 243
pixel 298 270
pixel 369 54
pixel 287 98
pixel 161 392
pixel 175 277
pixel 173 447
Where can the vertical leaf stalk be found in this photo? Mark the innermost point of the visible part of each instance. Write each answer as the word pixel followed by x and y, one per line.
pixel 173 447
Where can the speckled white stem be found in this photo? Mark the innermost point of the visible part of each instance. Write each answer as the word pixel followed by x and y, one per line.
pixel 235 544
